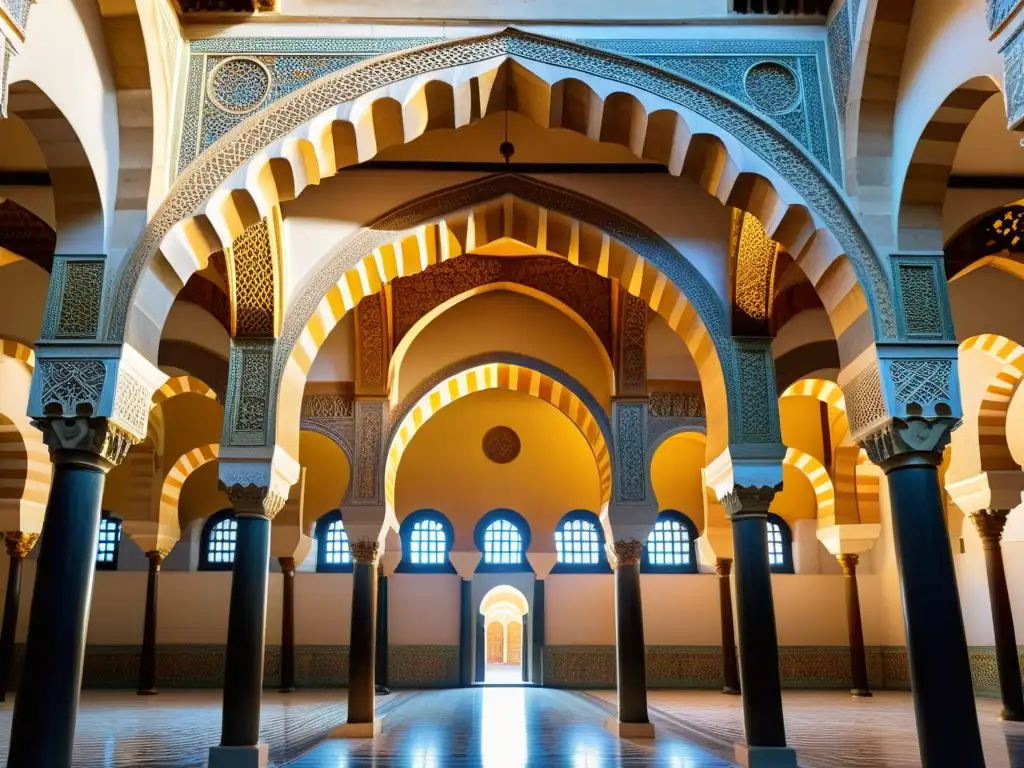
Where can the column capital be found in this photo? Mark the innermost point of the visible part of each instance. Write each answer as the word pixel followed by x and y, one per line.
pixel 723 566
pixel 156 558
pixel 253 500
pixel 628 552
pixel 848 562
pixel 365 551
pixel 990 523
pixel 908 442
pixel 288 565
pixel 19 543
pixel 97 442
pixel 749 500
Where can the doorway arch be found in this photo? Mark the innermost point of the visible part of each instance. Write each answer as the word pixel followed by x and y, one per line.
pixel 503 611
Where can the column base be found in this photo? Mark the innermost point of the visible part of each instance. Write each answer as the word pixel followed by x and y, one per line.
pixel 286 690
pixel 1011 716
pixel 147 692
pixel 765 757
pixel 256 756
pixel 382 690
pixel 861 693
pixel 358 730
pixel 728 690
pixel 629 730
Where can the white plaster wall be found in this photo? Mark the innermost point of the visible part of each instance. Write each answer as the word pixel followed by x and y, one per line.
pixel 423 609
pixel 579 610
pixel 667 355
pixel 805 328
pixel 65 55
pixel 973 582
pixel 190 322
pixel 948 45
pixel 681 610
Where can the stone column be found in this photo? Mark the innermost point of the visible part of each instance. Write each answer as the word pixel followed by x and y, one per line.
pixel 18 546
pixel 858 659
pixel 83 450
pixel 255 507
pixel 524 647
pixel 381 670
pixel 537 626
pixel 465 633
pixel 147 661
pixel 288 625
pixel 362 643
pixel 990 524
pixel 760 680
pixel 481 649
pixel 730 668
pixel 909 452
pixel 630 655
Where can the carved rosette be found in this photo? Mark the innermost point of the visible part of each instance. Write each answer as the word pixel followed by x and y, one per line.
pixel 628 552
pixel 364 551
pixel 723 566
pixel 99 442
pixel 253 500
pixel 19 543
pixel 848 562
pixel 752 500
pixel 990 524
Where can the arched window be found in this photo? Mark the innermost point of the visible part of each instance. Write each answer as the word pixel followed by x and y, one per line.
pixel 332 547
pixel 580 544
pixel 426 539
pixel 109 542
pixel 217 550
pixel 780 545
pixel 670 546
pixel 503 536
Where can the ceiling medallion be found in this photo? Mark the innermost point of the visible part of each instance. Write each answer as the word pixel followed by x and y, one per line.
pixel 501 445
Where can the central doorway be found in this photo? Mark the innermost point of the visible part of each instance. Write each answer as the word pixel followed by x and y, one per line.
pixel 502 612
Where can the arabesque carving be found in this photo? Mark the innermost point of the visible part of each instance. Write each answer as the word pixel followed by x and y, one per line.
pixel 749 500
pixel 364 551
pixel 629 552
pixel 252 499
pixel 69 439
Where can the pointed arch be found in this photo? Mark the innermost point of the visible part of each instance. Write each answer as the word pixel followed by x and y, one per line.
pixel 296 142
pixel 817 476
pixel 180 385
pixel 995 404
pixel 25 467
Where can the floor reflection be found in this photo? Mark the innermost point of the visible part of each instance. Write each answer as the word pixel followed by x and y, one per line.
pixel 503 730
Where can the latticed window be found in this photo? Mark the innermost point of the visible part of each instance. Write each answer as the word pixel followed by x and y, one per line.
pixel 336 550
pixel 669 544
pixel 776 546
pixel 109 540
pixel 220 544
pixel 503 543
pixel 578 543
pixel 428 543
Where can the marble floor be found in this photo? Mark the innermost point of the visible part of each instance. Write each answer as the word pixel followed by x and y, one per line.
pixel 503 674
pixel 828 729
pixel 510 727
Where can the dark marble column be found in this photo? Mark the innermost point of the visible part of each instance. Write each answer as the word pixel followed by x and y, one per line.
pixel 940 671
pixel 760 680
pixel 46 708
pixel 990 524
pixel 481 649
pixel 288 625
pixel 381 671
pixel 18 546
pixel 537 626
pixel 730 668
pixel 465 633
pixel 247 621
pixel 147 661
pixel 630 656
pixel 858 658
pixel 362 646
pixel 524 648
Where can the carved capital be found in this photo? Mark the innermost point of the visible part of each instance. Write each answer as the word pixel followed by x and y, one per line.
pixel 156 558
pixel 990 523
pixel 848 562
pixel 19 544
pixel 253 499
pixel 723 566
pixel 916 440
pixel 97 442
pixel 364 551
pixel 287 566
pixel 629 552
pixel 749 500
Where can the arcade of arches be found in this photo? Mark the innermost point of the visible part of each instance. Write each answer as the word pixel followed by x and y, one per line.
pixel 437 353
